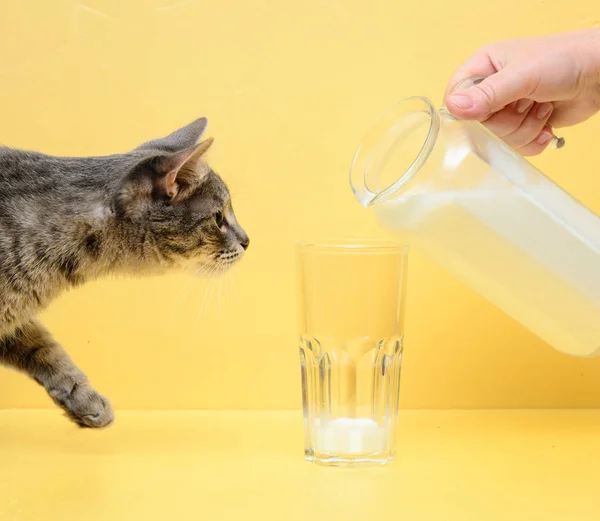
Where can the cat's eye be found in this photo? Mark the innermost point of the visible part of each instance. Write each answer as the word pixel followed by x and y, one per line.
pixel 219 219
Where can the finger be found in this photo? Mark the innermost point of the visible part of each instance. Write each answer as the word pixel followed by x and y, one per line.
pixel 539 144
pixel 509 119
pixel 491 95
pixel 531 127
pixel 478 65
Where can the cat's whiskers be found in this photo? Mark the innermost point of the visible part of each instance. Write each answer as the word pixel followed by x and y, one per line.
pixel 234 289
pixel 188 286
pixel 201 307
pixel 207 296
pixel 223 271
pixel 227 290
pixel 185 286
pixel 187 289
pixel 214 275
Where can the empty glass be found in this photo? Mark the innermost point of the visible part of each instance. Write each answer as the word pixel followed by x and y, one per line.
pixel 487 215
pixel 351 339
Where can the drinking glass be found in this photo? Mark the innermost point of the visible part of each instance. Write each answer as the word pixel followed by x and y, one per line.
pixel 351 303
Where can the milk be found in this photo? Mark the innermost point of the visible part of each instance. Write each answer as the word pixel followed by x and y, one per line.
pixel 348 436
pixel 515 249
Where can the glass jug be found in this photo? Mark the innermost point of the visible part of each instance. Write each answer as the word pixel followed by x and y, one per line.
pixel 489 216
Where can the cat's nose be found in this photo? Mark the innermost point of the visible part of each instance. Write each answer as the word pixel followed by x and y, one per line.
pixel 245 243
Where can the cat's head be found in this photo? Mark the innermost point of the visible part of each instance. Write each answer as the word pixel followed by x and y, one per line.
pixel 179 204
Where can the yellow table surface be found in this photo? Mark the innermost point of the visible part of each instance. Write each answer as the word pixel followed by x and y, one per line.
pixel 209 466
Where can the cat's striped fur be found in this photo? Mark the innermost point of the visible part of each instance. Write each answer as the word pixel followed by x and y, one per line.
pixel 64 221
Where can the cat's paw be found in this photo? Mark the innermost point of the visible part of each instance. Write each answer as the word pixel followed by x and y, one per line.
pixel 84 405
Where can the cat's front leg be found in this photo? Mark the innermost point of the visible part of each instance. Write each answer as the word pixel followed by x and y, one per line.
pixel 32 350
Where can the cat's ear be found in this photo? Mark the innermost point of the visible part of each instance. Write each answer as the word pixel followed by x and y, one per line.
pixel 179 140
pixel 179 171
pixel 171 176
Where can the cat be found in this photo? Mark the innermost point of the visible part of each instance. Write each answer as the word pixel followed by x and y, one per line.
pixel 67 220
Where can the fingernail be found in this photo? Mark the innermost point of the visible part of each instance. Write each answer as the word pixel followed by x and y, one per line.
pixel 524 105
pixel 543 111
pixel 461 101
pixel 544 138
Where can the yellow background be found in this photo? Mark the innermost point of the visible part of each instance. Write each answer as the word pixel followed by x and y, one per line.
pixel 288 87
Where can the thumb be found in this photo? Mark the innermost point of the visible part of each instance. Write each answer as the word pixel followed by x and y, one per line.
pixel 490 96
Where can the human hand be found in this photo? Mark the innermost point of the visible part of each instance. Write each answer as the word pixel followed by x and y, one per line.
pixel 532 85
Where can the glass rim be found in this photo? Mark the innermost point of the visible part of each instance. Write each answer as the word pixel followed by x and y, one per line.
pixel 353 246
pixel 360 161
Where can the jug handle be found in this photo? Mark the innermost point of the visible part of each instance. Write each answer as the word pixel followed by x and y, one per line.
pixel 556 142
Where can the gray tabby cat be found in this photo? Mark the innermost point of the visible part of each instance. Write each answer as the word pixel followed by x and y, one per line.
pixel 64 221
